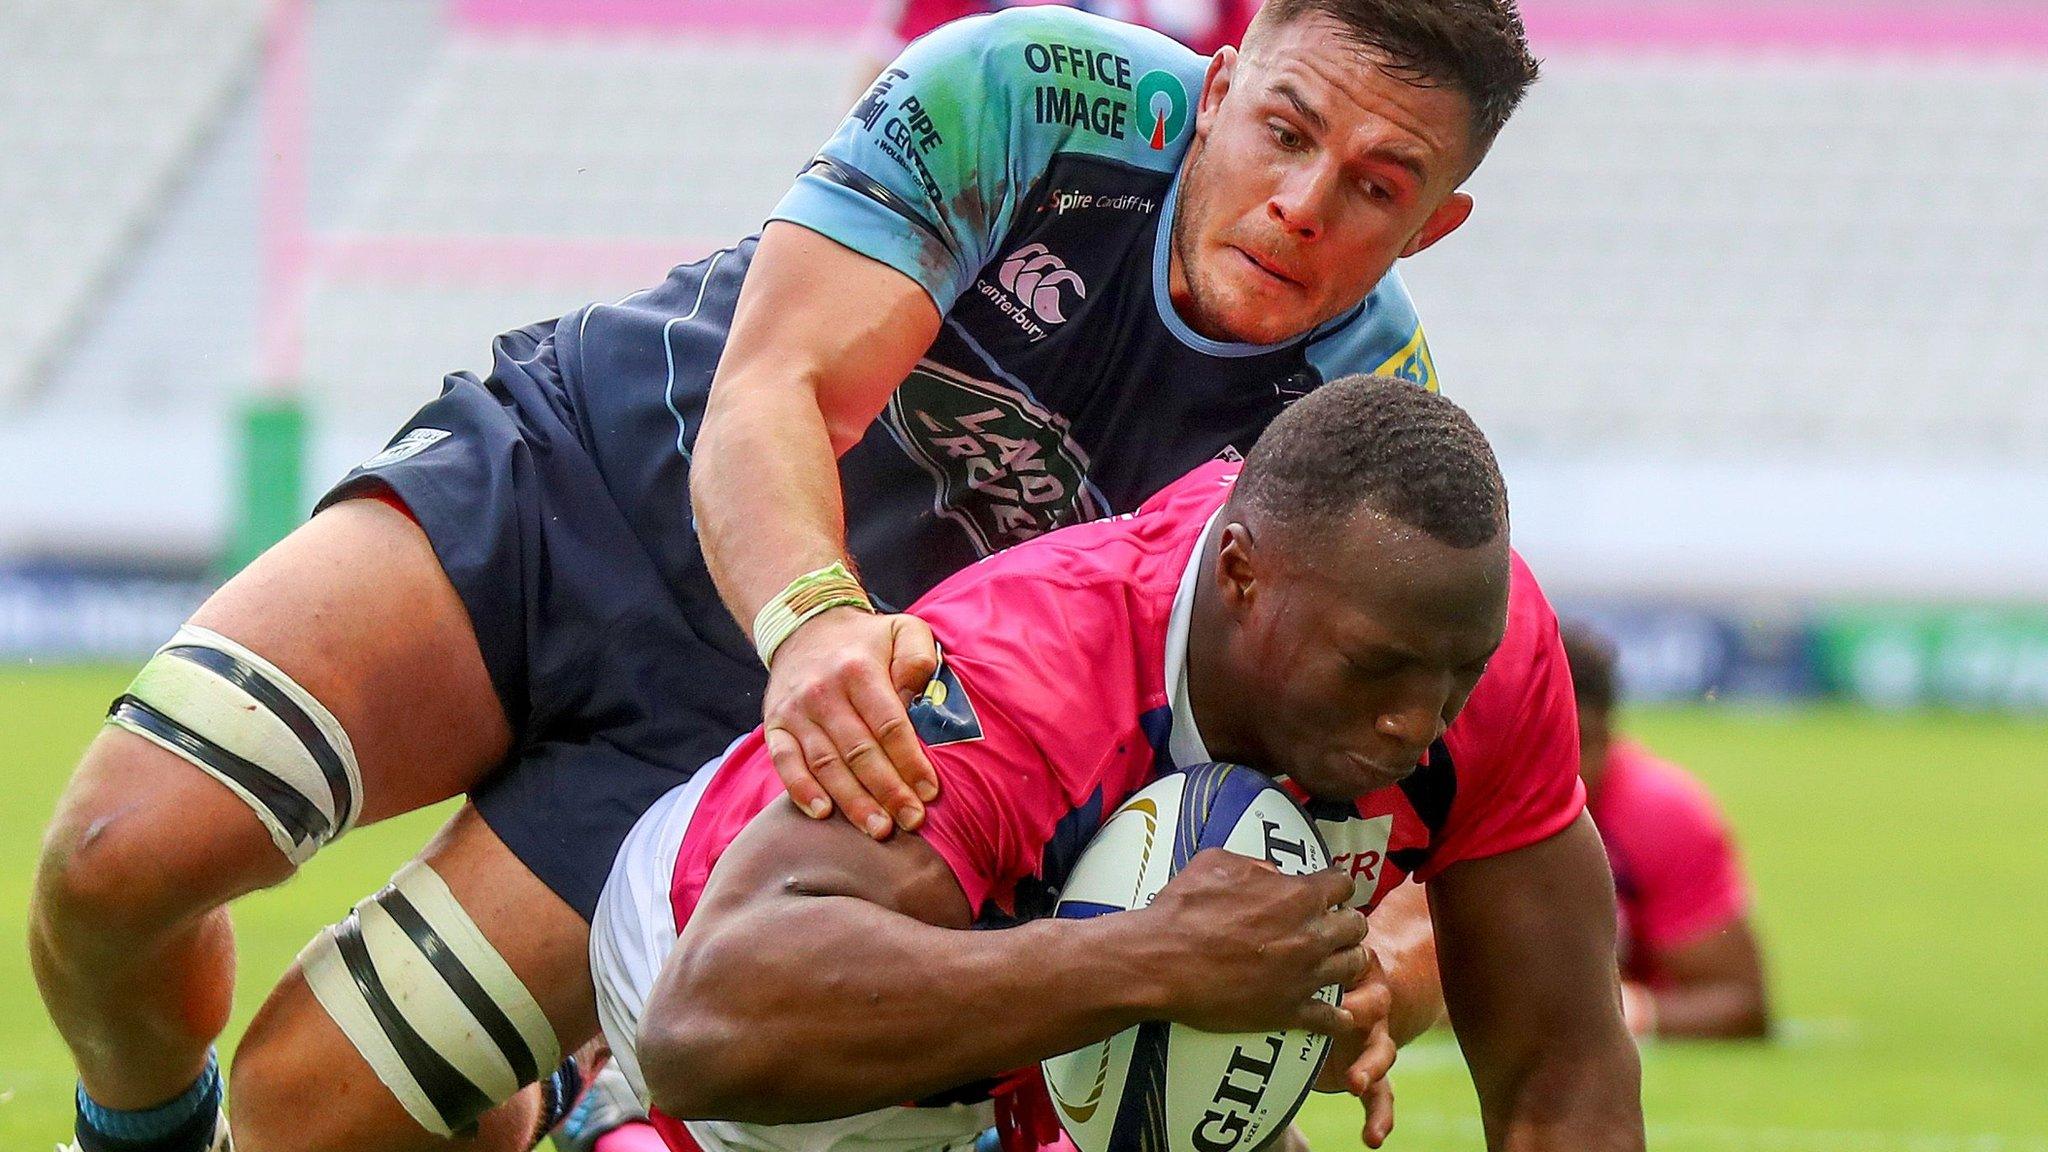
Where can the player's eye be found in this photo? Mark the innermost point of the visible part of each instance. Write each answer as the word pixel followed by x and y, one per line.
pixel 1374 190
pixel 1286 136
pixel 1370 667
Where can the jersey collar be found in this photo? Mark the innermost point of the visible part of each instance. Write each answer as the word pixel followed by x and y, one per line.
pixel 1183 740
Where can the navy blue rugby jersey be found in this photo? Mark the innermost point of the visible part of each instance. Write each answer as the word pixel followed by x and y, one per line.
pixel 1022 168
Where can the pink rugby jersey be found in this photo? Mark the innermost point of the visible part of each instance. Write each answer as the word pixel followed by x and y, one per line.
pixel 1062 692
pixel 1063 658
pixel 1676 874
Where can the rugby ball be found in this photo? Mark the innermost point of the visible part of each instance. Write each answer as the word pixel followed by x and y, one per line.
pixel 1162 1087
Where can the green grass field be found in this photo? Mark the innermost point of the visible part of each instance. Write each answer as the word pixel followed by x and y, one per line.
pixel 1901 863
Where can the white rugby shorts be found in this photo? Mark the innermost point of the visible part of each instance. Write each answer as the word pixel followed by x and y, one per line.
pixel 631 937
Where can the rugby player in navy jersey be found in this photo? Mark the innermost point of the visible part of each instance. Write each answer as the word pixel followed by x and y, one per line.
pixel 1048 264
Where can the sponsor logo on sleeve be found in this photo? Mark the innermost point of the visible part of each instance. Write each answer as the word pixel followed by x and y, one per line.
pixel 407 446
pixel 943 714
pixel 906 135
pixel 876 102
pixel 1412 363
pixel 1162 108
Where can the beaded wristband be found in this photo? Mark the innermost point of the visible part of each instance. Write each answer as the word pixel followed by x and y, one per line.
pixel 809 594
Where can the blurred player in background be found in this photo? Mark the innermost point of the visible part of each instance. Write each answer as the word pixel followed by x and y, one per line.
pixel 1048 264
pixel 1690 962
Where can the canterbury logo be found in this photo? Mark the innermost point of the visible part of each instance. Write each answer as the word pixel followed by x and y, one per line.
pixel 1080 1112
pixel 1034 275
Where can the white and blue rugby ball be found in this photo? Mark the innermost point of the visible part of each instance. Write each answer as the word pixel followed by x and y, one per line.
pixel 1162 1087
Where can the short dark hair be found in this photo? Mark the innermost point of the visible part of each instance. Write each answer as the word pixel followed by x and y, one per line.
pixel 1379 443
pixel 1478 47
pixel 1593 661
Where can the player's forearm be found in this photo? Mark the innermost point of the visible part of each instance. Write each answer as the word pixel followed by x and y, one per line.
pixel 821 337
pixel 892 1010
pixel 1525 943
pixel 1709 1010
pixel 764 487
pixel 1577 1096
pixel 1405 942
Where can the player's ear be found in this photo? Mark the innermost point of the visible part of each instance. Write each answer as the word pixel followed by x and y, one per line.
pixel 1455 210
pixel 1237 569
pixel 1215 86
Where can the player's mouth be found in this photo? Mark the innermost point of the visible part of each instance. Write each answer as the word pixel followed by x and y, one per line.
pixel 1373 775
pixel 1267 268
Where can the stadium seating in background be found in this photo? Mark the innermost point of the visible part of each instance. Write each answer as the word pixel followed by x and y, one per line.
pixel 531 174
pixel 102 111
pixel 1793 253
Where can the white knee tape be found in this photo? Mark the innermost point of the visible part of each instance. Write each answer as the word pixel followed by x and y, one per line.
pixel 432 1007
pixel 243 722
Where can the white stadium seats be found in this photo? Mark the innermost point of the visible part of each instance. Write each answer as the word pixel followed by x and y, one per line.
pixel 99 111
pixel 1689 271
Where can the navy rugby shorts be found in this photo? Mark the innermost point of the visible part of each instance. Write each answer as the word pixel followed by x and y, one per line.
pixel 619 680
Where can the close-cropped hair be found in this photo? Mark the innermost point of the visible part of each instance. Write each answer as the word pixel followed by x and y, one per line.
pixel 1381 443
pixel 1593 661
pixel 1477 47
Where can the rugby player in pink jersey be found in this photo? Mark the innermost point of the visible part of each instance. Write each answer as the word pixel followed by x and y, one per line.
pixel 1345 615
pixel 1690 963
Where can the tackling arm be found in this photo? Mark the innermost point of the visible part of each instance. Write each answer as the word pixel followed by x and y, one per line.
pixel 785 998
pixel 1525 941
pixel 821 338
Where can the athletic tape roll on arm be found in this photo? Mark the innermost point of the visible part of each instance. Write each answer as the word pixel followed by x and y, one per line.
pixel 810 594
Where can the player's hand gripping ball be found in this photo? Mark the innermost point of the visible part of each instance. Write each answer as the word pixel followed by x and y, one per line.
pixel 1164 1087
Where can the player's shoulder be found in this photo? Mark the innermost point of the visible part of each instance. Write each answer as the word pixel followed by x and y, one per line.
pixel 1530 646
pixel 1645 787
pixel 1382 336
pixel 1143 547
pixel 1070 80
pixel 1079 614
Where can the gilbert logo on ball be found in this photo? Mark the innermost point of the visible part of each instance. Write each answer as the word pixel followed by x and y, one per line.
pixel 1163 1087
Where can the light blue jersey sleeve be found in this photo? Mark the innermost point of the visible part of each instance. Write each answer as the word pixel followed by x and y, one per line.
pixel 931 168
pixel 1383 338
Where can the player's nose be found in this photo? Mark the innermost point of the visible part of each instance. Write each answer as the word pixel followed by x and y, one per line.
pixel 1412 726
pixel 1297 205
